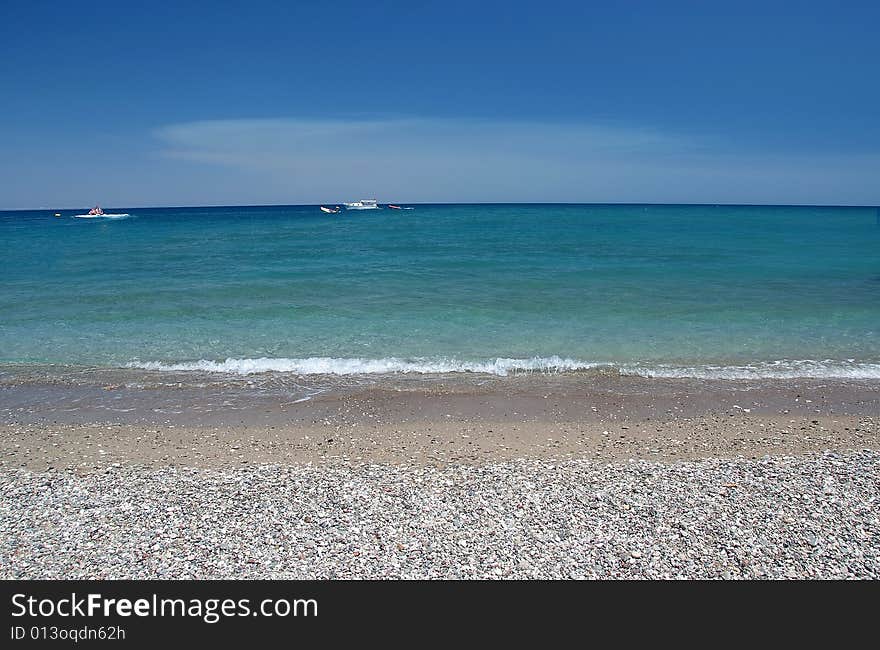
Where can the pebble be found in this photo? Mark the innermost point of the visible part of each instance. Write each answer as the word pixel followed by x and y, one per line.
pixel 517 519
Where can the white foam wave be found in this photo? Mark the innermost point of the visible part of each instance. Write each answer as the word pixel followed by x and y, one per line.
pixel 338 366
pixel 783 369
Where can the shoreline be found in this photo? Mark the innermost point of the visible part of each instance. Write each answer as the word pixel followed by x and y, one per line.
pixel 529 478
pixel 435 423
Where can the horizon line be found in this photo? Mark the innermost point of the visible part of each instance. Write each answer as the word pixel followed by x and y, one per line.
pixel 449 203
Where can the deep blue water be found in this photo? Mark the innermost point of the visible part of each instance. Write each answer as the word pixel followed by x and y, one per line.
pixel 653 289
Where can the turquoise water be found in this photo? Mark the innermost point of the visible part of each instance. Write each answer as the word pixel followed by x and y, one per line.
pixel 690 290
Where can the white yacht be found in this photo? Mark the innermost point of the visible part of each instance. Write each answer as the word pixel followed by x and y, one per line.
pixel 363 204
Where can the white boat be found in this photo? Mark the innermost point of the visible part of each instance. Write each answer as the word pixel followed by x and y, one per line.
pixel 363 204
pixel 103 215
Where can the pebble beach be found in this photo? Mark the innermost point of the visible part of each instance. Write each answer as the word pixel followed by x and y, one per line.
pixel 548 477
pixel 550 294
pixel 816 516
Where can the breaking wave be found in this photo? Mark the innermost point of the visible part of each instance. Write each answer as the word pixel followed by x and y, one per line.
pixel 784 369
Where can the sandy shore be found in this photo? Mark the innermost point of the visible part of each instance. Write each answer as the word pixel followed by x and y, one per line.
pixel 553 418
pixel 547 478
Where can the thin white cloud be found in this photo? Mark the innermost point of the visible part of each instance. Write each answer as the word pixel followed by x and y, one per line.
pixel 312 160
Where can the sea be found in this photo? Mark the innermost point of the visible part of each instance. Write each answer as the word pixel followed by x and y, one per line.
pixel 268 293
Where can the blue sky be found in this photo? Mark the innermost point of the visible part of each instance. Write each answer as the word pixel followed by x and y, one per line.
pixel 303 102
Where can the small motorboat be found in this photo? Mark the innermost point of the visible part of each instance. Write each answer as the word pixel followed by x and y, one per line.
pixel 394 207
pixel 330 210
pixel 97 212
pixel 363 204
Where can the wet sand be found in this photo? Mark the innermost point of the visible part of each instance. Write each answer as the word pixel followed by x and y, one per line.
pixel 438 423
